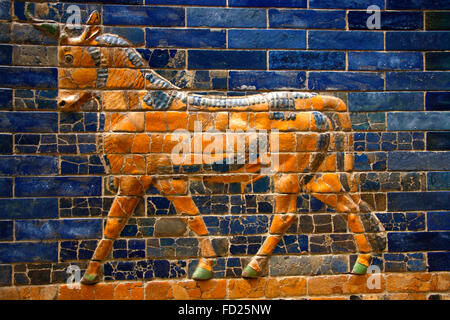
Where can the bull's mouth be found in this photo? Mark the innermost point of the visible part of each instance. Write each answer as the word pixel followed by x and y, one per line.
pixel 73 102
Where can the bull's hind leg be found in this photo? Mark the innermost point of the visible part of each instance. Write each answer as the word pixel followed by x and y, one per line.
pixel 131 191
pixel 333 189
pixel 175 190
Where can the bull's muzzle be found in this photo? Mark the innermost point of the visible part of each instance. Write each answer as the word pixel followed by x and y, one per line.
pixel 72 102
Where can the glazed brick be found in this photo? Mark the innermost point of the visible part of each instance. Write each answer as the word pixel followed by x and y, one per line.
pixel 185 38
pixel 437 101
pixel 5 32
pixel 385 61
pixel 28 77
pixel 164 58
pixel 5 7
pixel 26 252
pixel 438 261
pixel 5 275
pixel 437 60
pixel 5 187
pixel 6 230
pixel 414 80
pixel 418 4
pixel 306 60
pixel 188 2
pixel 58 229
pixel 437 20
pixel 266 80
pixel 268 3
pixel 345 81
pixel 270 39
pixel 28 165
pixel 134 35
pixel 438 141
pixel 428 161
pixel 5 54
pixel 385 101
pixel 218 59
pixel 6 143
pixel 437 221
pixel 29 208
pixel 438 180
pixel 417 40
pixel 345 4
pixel 27 34
pixel 22 122
pixel 390 20
pixel 345 40
pixel 58 186
pixel 304 19
pixel 405 121
pixel 418 241
pixel 411 201
pixel 143 15
pixel 226 18
pixel 5 99
pixel 369 121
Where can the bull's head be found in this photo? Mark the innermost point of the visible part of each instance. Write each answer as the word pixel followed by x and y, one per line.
pixel 77 68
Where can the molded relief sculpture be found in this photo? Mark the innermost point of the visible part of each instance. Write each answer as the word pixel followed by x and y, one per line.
pixel 157 135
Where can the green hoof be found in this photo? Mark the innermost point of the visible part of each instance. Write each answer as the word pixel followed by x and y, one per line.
pixel 90 279
pixel 202 274
pixel 249 272
pixel 359 268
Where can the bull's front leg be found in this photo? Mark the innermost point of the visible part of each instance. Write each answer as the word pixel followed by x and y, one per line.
pixel 130 193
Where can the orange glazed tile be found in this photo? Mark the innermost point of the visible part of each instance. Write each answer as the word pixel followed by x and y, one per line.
pixel 114 101
pixel 158 290
pixel 292 286
pixel 273 288
pixel 177 120
pixel 409 282
pixel 155 121
pixel 246 288
pixel 197 225
pixel 213 289
pixel 129 291
pixel 269 245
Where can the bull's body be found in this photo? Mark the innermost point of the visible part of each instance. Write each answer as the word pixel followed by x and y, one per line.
pixel 306 143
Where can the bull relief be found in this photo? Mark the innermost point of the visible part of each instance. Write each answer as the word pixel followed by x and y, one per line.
pixel 158 136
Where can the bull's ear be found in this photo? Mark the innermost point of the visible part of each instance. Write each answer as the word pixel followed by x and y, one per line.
pixel 94 18
pixel 93 29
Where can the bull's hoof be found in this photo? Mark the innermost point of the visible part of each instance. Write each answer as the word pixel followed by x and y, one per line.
pixel 362 264
pixel 202 274
pixel 249 272
pixel 90 279
pixel 359 268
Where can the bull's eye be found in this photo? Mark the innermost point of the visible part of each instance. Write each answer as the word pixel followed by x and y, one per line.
pixel 68 58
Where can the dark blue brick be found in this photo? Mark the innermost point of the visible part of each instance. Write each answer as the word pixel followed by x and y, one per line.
pixel 437 60
pixel 146 16
pixel 385 101
pixel 185 38
pixel 412 201
pixel 390 20
pixel 385 61
pixel 414 80
pixel 266 80
pixel 418 40
pixel 28 165
pixel 6 143
pixel 58 229
pixel 439 261
pixel 188 2
pixel 438 220
pixel 58 186
pixel 418 241
pixel 345 4
pixel 28 122
pixel 5 7
pixel 306 60
pixel 28 208
pixel 437 101
pixel 415 221
pixel 27 34
pixel 29 77
pixel 5 99
pixel 226 18
pixel 406 121
pixel 5 33
pixel 28 252
pixel 345 81
pixel 437 20
pixel 5 187
pixel 418 4
pixel 6 230
pixel 5 53
pixel 217 59
pixel 345 40
pixel 5 275
pixel 402 160
pixel 135 35
pixel 306 19
pixel 438 180
pixel 270 39
pixel 268 3
pixel 438 140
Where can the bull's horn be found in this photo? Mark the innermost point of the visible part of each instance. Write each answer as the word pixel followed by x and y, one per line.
pixel 48 26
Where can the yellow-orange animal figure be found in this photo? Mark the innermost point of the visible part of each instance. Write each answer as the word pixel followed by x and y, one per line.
pixel 144 112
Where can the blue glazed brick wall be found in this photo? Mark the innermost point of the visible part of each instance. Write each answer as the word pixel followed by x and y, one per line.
pixel 396 82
